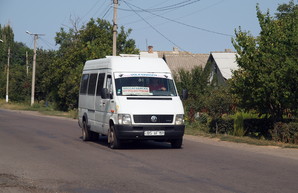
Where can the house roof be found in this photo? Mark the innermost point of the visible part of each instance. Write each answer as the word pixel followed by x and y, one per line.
pixel 185 60
pixel 226 63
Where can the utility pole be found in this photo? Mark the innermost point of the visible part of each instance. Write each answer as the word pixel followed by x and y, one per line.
pixel 27 66
pixel 7 75
pixel 34 65
pixel 115 27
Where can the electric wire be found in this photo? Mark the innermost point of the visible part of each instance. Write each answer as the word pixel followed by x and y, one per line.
pixel 106 12
pixel 166 8
pixel 47 43
pixel 181 23
pixel 91 9
pixel 155 28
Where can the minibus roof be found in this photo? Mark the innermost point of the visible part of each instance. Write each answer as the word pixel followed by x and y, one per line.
pixel 128 64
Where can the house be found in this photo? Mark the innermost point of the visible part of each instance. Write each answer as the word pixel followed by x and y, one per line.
pixel 177 60
pixel 221 66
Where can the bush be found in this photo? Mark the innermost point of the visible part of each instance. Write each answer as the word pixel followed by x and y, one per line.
pixel 238 125
pixel 258 128
pixel 221 126
pixel 202 118
pixel 285 132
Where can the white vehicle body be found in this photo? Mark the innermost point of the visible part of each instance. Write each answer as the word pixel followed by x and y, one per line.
pixel 117 100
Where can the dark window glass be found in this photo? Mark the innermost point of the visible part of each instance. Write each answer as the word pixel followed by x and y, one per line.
pixel 92 84
pixel 84 83
pixel 100 81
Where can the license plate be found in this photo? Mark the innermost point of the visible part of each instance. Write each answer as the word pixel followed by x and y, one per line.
pixel 154 133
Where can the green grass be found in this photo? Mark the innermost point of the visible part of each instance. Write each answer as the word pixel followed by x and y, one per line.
pixel 38 107
pixel 202 130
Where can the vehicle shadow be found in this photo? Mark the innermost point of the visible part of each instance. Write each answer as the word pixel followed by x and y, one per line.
pixel 135 144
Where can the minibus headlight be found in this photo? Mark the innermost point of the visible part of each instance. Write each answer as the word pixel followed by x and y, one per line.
pixel 179 119
pixel 124 119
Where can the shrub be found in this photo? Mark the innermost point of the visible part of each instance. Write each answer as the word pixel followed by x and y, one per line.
pixel 258 128
pixel 285 132
pixel 221 126
pixel 238 125
pixel 202 118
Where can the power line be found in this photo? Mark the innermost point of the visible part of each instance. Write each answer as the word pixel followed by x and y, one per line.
pixel 106 12
pixel 165 8
pixel 91 9
pixel 154 27
pixel 47 43
pixel 181 23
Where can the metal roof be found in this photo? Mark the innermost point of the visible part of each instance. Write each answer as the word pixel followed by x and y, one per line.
pixel 226 63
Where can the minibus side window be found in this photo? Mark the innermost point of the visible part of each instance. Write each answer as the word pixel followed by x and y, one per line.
pixel 84 83
pixel 92 84
pixel 100 81
pixel 109 85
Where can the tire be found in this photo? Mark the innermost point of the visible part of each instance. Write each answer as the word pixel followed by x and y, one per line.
pixel 86 134
pixel 177 143
pixel 114 142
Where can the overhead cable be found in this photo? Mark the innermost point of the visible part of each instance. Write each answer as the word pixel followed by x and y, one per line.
pixel 154 27
pixel 165 8
pixel 181 23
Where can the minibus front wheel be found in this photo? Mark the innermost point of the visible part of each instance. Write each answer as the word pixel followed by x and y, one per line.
pixel 113 140
pixel 86 134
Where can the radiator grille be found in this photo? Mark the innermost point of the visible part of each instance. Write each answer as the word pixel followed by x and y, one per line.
pixel 153 118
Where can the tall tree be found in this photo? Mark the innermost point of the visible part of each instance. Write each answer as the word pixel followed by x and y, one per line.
pixel 196 82
pixel 76 46
pixel 268 76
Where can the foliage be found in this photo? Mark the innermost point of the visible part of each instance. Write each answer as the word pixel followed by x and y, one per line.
pixel 202 118
pixel 219 101
pixel 90 42
pixel 196 82
pixel 258 127
pixel 285 132
pixel 268 76
pixel 239 125
pixel 221 126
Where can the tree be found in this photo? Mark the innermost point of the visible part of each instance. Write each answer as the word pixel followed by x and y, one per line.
pixel 196 82
pixel 76 46
pixel 268 76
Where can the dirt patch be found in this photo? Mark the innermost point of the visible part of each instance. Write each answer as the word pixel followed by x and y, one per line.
pixel 13 184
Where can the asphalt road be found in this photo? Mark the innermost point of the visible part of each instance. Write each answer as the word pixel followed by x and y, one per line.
pixel 46 154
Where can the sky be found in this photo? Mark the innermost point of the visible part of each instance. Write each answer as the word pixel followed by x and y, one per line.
pixel 197 26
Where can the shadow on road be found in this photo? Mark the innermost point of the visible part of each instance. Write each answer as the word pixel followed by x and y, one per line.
pixel 134 145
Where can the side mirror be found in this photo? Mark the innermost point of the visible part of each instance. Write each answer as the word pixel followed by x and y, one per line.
pixel 105 93
pixel 184 94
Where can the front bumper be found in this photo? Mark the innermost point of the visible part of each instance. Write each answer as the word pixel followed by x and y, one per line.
pixel 129 132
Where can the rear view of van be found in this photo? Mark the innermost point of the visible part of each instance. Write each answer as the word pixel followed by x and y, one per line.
pixel 130 98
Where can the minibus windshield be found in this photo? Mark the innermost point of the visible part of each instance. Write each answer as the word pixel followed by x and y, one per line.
pixel 144 84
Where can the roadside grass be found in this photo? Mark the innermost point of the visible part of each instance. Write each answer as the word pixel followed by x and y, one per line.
pixel 202 130
pixel 38 107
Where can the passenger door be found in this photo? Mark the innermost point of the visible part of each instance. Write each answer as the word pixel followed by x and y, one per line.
pixel 90 99
pixel 108 104
pixel 99 102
